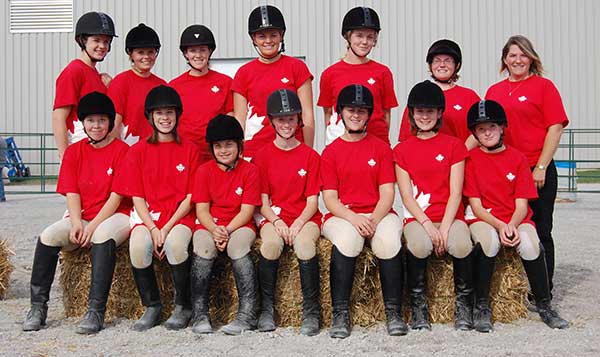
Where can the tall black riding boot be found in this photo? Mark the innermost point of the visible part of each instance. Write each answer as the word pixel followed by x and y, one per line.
pixel 182 313
pixel 537 274
pixel 246 284
pixel 267 279
pixel 145 280
pixel 483 267
pixel 390 274
pixel 341 278
pixel 309 278
pixel 417 284
pixel 463 286
pixel 42 274
pixel 200 272
pixel 104 259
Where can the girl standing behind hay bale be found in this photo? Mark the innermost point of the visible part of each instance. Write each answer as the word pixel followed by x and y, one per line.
pixel 499 186
pixel 430 171
pixel 162 168
pixel 357 174
pixel 96 216
pixel 226 191
pixel 289 213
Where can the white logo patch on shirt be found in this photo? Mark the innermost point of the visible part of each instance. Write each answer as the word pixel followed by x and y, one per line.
pixel 215 89
pixel 371 81
pixel 180 167
pixel 522 98
pixel 440 157
pixel 510 176
pixel 302 172
pixel 371 162
pixel 284 80
pixel 239 191
pixel 109 171
pixel 457 107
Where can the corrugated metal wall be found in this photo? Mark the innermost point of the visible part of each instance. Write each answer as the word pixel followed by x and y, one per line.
pixel 564 33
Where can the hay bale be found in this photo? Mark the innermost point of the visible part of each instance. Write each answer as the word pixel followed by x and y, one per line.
pixel 5 267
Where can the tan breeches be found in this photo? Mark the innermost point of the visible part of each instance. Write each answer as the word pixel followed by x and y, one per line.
pixel 176 246
pixel 487 237
pixel 305 243
pixel 239 244
pixel 420 245
pixel 385 243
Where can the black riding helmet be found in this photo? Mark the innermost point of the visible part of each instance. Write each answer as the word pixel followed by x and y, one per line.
pixel 283 102
pixel 162 97
pixel 355 95
pixel 266 17
pixel 446 47
pixel 197 35
pixel 141 36
pixel 224 127
pixel 96 103
pixel 426 94
pixel 360 18
pixel 93 23
pixel 486 111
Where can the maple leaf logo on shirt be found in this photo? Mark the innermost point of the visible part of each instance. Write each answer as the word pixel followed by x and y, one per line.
pixel 254 123
pixel 77 134
pixel 109 171
pixel 129 139
pixel 469 215
pixel 457 107
pixel 302 172
pixel 180 167
pixel 439 158
pixel 239 191
pixel 335 128
pixel 422 199
pixel 371 162
pixel 371 81
pixel 215 89
pixel 510 176
pixel 135 219
pixel 522 98
pixel 284 80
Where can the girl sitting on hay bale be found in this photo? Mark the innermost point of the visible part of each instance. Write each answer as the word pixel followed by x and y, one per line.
pixel 430 171
pixel 290 215
pixel 96 215
pixel 357 174
pixel 499 185
pixel 161 172
pixel 226 191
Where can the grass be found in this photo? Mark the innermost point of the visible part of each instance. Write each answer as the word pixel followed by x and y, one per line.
pixel 588 176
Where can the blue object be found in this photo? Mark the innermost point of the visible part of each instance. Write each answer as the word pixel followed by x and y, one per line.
pixel 13 160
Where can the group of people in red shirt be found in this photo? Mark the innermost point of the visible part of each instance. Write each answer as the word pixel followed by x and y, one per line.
pixel 215 161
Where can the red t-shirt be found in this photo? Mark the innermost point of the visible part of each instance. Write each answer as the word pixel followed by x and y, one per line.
pixel 373 75
pixel 255 81
pixel 203 98
pixel 356 170
pixel 75 81
pixel 454 120
pixel 289 177
pixel 531 106
pixel 128 92
pixel 498 179
pixel 428 163
pixel 89 172
pixel 226 191
pixel 161 174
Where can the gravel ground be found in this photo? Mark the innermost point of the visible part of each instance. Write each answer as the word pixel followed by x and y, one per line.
pixel 576 297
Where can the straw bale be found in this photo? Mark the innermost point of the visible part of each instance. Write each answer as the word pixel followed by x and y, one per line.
pixel 5 267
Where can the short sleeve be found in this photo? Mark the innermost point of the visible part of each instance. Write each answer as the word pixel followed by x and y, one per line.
pixel 399 157
pixel 325 92
pixel 313 186
pixel 67 177
pixel 129 182
pixel 68 86
pixel 525 187
pixel 302 73
pixel 404 126
pixel 117 93
pixel 389 99
pixel 200 193
pixel 251 195
pixel 120 166
pixel 553 108
pixel 386 171
pixel 263 169
pixel 470 188
pixel 328 172
pixel 240 82
pixel 459 152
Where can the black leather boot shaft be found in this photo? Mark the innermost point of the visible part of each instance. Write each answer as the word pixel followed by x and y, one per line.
pixel 180 274
pixel 267 278
pixel 341 275
pixel 200 274
pixel 311 306
pixel 104 259
pixel 145 280
pixel 463 287
pixel 417 285
pixel 246 283
pixel 45 260
pixel 391 277
pixel 483 267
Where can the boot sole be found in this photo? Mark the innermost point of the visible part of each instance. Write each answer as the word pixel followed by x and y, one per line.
pixel 81 331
